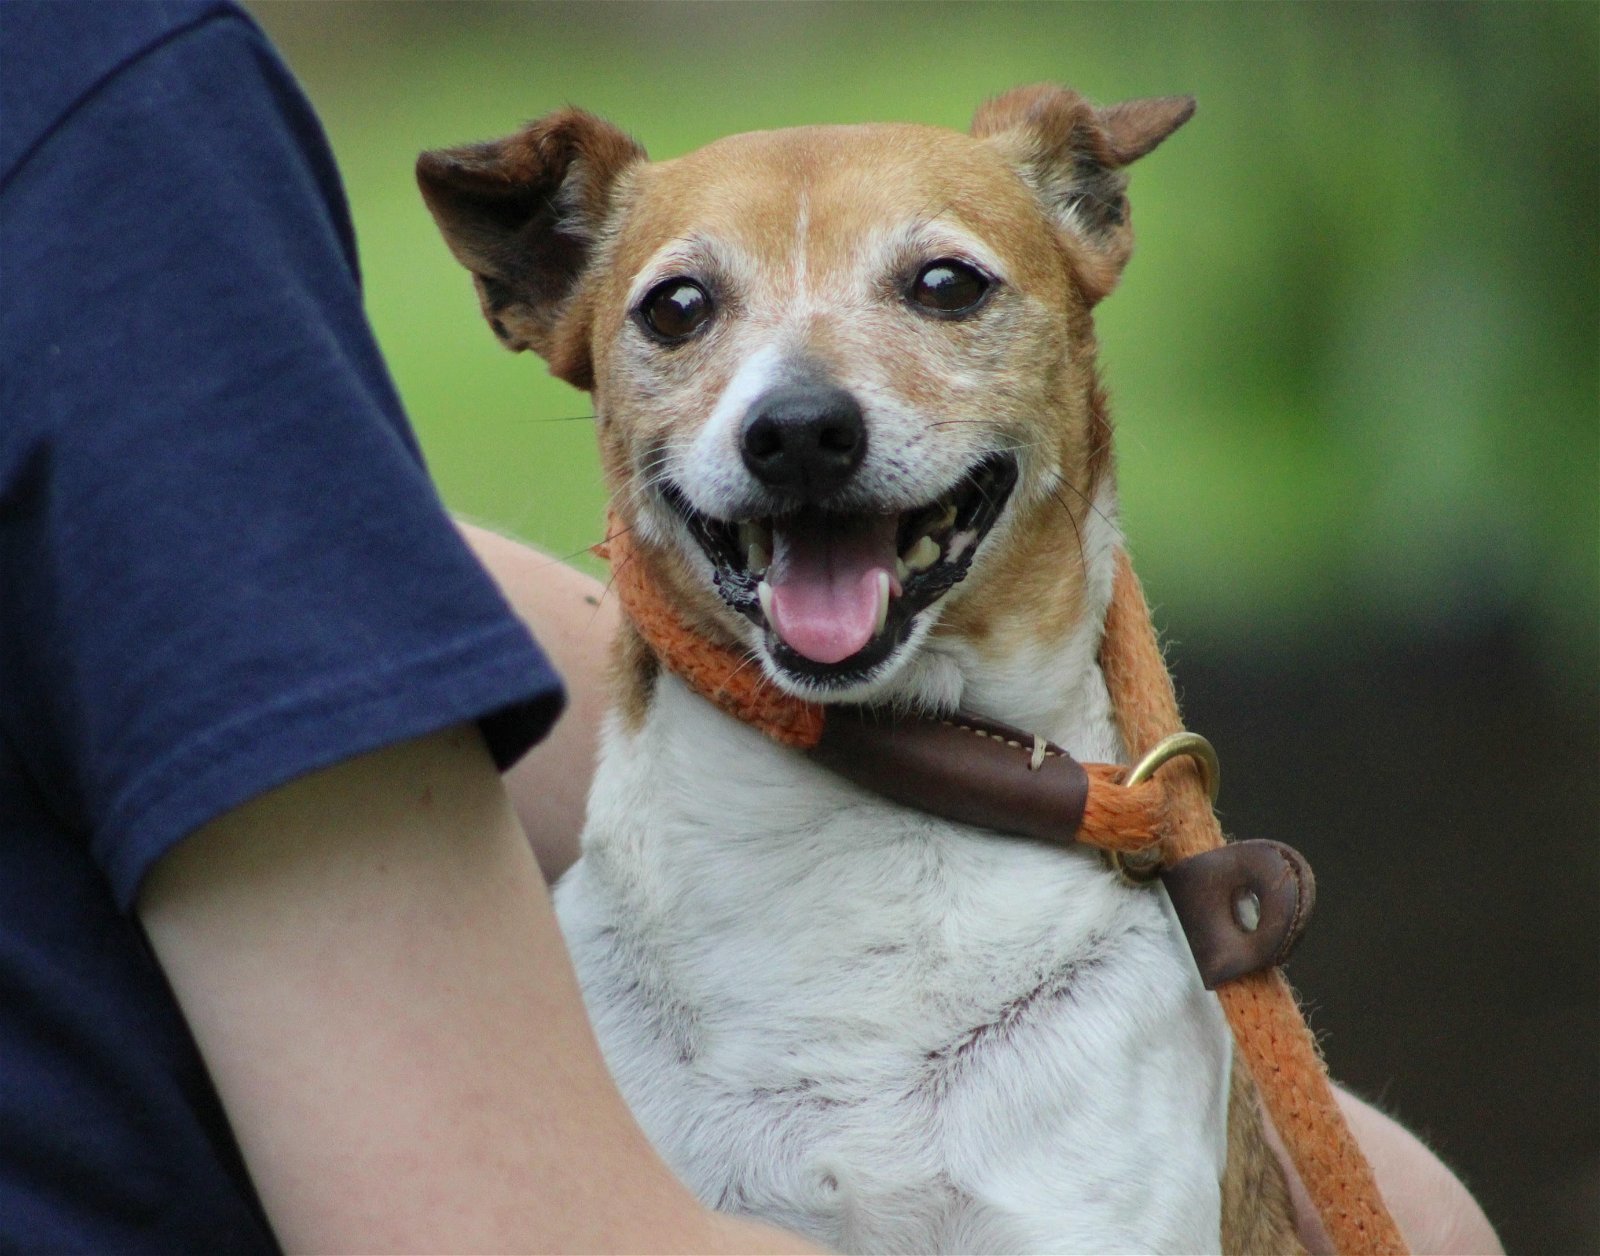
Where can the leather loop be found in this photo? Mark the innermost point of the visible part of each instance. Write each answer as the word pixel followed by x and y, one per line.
pixel 1243 906
pixel 968 770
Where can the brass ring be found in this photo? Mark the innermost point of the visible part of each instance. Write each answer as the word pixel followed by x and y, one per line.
pixel 1137 867
pixel 1191 744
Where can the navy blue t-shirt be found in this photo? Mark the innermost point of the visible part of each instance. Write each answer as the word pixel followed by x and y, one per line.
pixel 221 566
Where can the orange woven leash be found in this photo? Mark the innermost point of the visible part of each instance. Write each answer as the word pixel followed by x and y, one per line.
pixel 1266 1020
pixel 1174 808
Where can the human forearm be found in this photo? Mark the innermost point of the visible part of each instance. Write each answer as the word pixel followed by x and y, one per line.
pixel 574 621
pixel 370 965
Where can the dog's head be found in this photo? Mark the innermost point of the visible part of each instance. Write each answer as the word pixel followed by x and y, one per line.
pixel 843 376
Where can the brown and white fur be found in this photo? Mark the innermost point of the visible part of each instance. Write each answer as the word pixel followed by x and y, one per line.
pixel 885 1030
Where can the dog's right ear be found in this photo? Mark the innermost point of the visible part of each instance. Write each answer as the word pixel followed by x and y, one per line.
pixel 523 215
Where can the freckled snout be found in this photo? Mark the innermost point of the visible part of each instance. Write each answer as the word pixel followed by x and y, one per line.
pixel 803 440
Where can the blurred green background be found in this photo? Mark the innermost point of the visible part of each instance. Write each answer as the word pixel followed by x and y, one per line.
pixel 1354 361
pixel 1354 369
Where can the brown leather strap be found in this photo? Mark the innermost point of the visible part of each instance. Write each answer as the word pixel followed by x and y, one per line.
pixel 968 770
pixel 1242 906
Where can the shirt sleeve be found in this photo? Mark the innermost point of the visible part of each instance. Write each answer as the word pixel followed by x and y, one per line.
pixel 222 564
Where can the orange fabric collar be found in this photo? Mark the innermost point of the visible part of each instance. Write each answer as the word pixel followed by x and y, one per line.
pixel 721 675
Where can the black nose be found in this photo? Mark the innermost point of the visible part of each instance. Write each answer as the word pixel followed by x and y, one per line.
pixel 806 439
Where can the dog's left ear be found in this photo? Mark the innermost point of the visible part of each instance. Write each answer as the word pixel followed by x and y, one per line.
pixel 524 214
pixel 1072 155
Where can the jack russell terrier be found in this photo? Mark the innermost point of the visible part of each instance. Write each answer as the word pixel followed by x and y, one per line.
pixel 845 386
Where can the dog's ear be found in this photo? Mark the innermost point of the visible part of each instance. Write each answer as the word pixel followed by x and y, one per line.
pixel 1072 155
pixel 523 215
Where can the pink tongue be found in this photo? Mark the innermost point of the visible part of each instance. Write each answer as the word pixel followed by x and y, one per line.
pixel 824 579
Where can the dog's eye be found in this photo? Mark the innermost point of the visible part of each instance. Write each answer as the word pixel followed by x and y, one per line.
pixel 675 309
pixel 949 287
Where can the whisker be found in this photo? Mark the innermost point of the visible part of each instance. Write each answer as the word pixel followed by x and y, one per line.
pixel 612 580
pixel 750 656
pixel 1083 557
pixel 1087 500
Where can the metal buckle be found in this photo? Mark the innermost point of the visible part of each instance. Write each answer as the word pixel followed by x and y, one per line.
pixel 1139 867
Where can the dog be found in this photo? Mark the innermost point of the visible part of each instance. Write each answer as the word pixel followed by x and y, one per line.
pixel 845 388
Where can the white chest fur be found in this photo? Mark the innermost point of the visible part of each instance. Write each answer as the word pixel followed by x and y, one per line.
pixel 885 1030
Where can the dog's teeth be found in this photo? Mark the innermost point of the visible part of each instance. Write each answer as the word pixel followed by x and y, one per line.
pixel 883 602
pixel 764 595
pixel 755 539
pixel 948 518
pixel 755 533
pixel 959 543
pixel 901 571
pixel 922 555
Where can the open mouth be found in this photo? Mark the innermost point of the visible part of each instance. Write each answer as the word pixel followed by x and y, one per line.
pixel 837 592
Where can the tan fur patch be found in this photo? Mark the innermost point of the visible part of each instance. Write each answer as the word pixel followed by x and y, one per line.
pixel 1257 1216
pixel 1041 570
pixel 633 676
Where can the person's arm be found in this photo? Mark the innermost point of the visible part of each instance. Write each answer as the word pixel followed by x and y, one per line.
pixel 1433 1209
pixel 574 622
pixel 369 962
